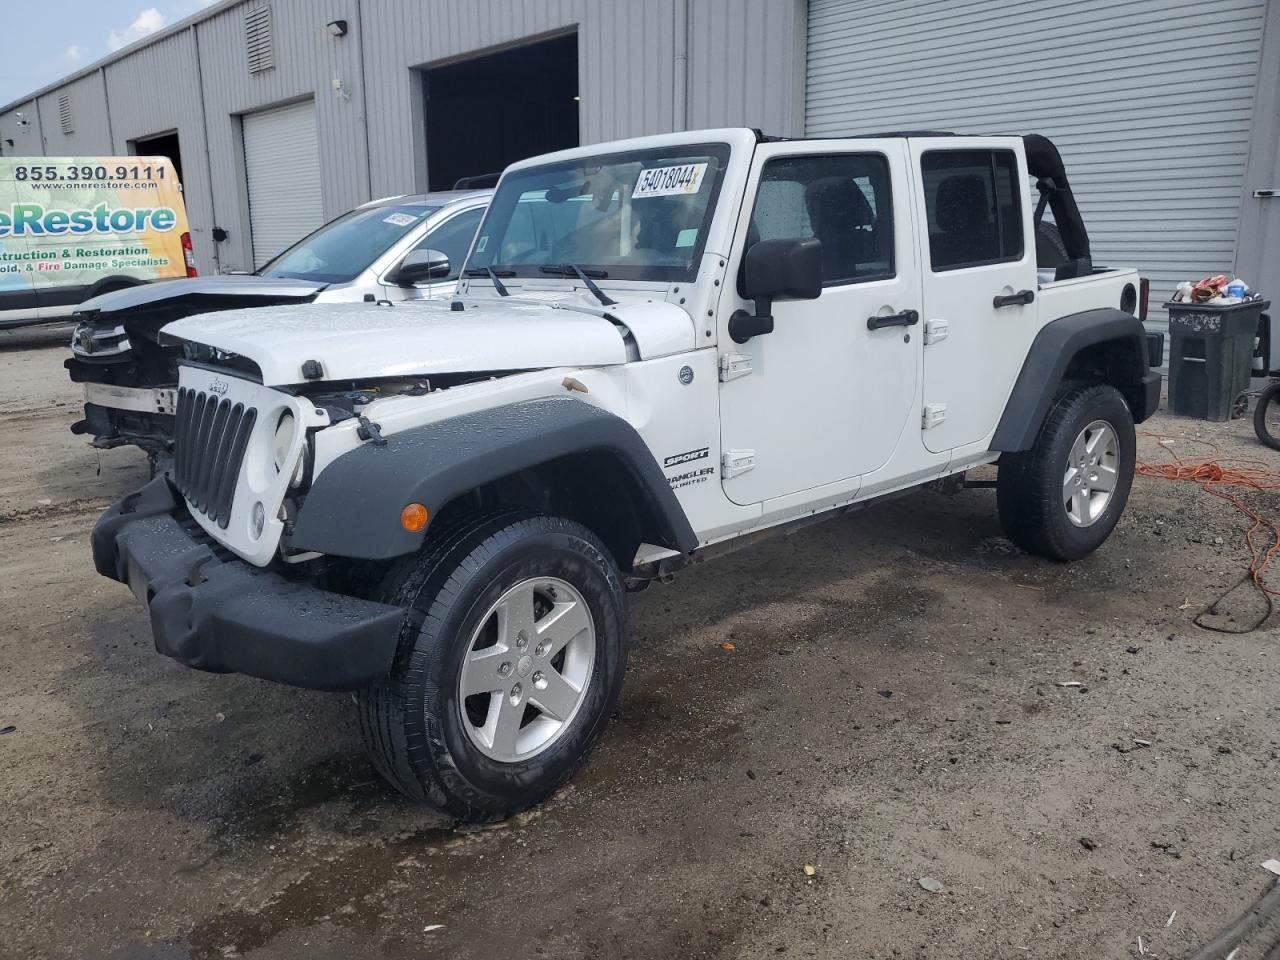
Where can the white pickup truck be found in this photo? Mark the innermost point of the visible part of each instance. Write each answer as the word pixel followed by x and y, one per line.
pixel 659 346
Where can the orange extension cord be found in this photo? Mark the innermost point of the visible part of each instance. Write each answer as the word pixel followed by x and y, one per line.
pixel 1216 477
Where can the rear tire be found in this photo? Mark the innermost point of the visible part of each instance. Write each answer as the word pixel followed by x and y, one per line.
pixel 1266 416
pixel 1062 498
pixel 511 659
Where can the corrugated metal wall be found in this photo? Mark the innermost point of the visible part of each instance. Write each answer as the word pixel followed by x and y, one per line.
pixel 89 134
pixel 743 63
pixel 307 62
pixel 744 67
pixel 157 91
pixel 1150 102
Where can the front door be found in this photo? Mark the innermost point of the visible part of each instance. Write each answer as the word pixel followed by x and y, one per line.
pixel 831 390
pixel 451 237
pixel 980 314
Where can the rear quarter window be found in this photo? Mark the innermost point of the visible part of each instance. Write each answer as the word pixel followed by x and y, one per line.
pixel 973 206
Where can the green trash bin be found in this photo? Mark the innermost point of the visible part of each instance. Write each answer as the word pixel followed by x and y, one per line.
pixel 1210 357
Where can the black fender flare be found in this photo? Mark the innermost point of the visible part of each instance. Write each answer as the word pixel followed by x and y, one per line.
pixel 353 507
pixel 1047 362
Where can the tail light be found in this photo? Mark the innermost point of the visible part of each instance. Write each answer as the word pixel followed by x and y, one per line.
pixel 189 255
pixel 1144 297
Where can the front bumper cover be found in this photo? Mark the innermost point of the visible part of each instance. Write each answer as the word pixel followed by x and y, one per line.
pixel 228 616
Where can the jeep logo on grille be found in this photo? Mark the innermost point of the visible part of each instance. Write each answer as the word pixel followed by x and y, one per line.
pixel 220 387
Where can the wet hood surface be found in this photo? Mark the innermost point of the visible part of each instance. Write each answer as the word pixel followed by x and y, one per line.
pixel 167 292
pixel 354 341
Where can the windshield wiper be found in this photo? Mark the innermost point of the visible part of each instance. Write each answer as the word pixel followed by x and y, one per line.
pixel 573 270
pixel 493 275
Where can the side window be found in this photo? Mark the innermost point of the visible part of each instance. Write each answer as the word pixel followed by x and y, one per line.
pixel 974 211
pixel 453 238
pixel 842 199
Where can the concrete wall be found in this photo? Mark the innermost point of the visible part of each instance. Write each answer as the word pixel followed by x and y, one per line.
pixel 643 68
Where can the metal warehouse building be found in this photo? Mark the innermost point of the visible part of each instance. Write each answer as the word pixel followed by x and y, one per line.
pixel 284 113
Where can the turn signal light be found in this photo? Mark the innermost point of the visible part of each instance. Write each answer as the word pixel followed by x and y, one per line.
pixel 414 517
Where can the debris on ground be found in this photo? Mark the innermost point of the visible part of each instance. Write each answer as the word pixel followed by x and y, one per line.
pixel 1272 865
pixel 930 884
pixel 810 870
pixel 1088 844
pixel 727 646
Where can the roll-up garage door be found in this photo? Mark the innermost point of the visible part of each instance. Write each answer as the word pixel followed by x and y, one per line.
pixel 282 169
pixel 1150 102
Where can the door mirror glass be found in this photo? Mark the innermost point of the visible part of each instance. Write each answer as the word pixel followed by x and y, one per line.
pixel 421 266
pixel 788 269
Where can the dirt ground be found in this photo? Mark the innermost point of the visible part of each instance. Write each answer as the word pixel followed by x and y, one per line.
pixel 891 711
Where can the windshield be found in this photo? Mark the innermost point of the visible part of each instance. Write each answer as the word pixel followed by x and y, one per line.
pixel 342 249
pixel 639 215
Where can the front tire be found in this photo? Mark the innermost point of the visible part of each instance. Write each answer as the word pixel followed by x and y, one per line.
pixel 1062 498
pixel 511 659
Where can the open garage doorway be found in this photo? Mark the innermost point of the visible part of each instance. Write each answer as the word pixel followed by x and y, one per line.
pixel 162 145
pixel 492 110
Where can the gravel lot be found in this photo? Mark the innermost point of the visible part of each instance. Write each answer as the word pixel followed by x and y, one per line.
pixel 890 710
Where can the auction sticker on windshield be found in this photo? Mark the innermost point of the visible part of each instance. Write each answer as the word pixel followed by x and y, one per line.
pixel 72 221
pixel 669 181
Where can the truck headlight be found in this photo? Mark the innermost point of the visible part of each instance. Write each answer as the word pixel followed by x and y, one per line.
pixel 281 445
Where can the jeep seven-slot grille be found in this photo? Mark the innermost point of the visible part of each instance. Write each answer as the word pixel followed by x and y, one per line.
pixel 211 434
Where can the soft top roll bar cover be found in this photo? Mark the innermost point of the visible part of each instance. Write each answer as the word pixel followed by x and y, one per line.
pixel 1045 163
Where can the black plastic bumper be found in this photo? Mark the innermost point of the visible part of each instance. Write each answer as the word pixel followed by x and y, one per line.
pixel 228 616
pixel 1151 382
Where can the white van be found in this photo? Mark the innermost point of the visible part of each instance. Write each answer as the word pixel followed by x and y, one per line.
pixel 74 227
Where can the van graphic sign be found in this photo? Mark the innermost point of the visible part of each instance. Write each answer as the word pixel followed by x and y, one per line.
pixel 73 221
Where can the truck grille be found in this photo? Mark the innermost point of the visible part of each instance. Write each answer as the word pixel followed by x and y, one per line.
pixel 211 434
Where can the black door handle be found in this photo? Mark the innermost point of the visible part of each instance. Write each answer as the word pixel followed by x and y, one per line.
pixel 1019 299
pixel 906 318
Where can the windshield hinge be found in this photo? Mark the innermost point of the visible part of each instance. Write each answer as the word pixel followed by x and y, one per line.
pixel 734 462
pixel 735 365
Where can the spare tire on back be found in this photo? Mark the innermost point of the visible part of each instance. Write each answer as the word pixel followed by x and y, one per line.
pixel 1050 250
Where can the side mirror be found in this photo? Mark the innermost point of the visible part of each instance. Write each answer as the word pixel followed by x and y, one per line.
pixel 776 270
pixel 421 266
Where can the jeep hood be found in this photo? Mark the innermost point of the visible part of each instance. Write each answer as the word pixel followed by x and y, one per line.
pixel 357 341
pixel 164 292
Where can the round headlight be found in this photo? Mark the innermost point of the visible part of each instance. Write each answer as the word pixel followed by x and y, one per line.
pixel 283 439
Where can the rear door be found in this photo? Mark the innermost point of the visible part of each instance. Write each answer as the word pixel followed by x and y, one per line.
pixel 980 313
pixel 830 391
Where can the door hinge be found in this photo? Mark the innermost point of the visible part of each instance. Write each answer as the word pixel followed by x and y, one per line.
pixel 934 414
pixel 734 365
pixel 935 331
pixel 734 462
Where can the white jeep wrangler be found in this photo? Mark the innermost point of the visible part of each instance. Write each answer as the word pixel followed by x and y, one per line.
pixel 660 346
